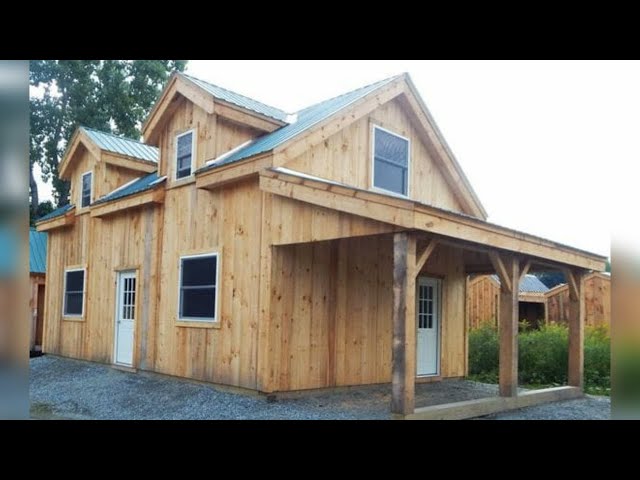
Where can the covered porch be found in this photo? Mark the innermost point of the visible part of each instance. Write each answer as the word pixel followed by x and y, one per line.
pixel 415 233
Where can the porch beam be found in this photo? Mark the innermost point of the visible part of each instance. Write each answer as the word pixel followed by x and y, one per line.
pixel 575 280
pixel 509 325
pixel 525 269
pixel 425 254
pixel 404 324
pixel 501 271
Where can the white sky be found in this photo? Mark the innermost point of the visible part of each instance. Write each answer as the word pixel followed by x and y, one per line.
pixel 544 144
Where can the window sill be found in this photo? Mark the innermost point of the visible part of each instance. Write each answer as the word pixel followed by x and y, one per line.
pixel 390 193
pixel 72 319
pixel 82 211
pixel 187 324
pixel 182 182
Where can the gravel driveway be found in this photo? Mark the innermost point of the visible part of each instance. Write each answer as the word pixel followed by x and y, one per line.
pixel 64 388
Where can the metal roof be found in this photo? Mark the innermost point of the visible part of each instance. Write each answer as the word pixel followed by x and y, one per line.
pixel 137 186
pixel 122 146
pixel 239 100
pixel 306 119
pixel 56 213
pixel 529 284
pixel 37 251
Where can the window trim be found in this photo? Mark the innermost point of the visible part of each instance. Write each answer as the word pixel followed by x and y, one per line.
pixel 193 154
pixel 198 320
pixel 90 172
pixel 64 292
pixel 373 162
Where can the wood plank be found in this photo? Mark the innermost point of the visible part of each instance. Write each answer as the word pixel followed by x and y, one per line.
pixel 215 178
pixel 525 269
pixel 254 120
pixel 66 220
pixel 131 163
pixel 323 130
pixel 155 196
pixel 576 329
pixel 492 405
pixel 509 329
pixel 432 220
pixel 404 324
pixel 425 254
pixel 501 270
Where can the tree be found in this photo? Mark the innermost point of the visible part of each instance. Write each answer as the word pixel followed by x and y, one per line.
pixel 40 211
pixel 110 95
pixel 551 279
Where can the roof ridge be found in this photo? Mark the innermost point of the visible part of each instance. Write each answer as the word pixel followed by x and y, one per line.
pixel 284 113
pixel 117 136
pixel 350 92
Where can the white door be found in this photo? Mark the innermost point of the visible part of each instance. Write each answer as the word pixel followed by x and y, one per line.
pixel 125 318
pixel 428 337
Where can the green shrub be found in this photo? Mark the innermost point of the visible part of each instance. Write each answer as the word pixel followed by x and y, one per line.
pixel 597 360
pixel 483 353
pixel 543 356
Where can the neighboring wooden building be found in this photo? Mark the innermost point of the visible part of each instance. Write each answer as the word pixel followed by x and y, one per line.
pixel 483 294
pixel 245 246
pixel 37 277
pixel 597 295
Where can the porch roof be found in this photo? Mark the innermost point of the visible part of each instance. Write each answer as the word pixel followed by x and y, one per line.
pixel 417 216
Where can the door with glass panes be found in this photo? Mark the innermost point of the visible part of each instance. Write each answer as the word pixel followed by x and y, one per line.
pixel 428 332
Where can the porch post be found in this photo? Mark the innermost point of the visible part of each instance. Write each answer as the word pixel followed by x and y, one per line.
pixel 508 269
pixel 403 374
pixel 575 280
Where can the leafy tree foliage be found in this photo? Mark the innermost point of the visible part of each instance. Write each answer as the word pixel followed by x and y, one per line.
pixel 110 95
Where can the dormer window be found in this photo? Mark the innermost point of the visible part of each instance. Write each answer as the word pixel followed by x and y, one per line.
pixel 185 148
pixel 86 187
pixel 390 161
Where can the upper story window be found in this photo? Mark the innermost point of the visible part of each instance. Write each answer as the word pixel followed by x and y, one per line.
pixel 185 151
pixel 390 161
pixel 86 187
pixel 74 286
pixel 198 287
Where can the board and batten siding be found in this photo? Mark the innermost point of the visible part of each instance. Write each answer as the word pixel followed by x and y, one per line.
pixel 346 157
pixel 331 313
pixel 597 293
pixel 214 136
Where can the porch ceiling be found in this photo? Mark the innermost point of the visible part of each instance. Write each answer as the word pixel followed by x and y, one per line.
pixel 464 231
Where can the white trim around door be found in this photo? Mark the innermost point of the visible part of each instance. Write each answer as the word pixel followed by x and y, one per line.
pixel 125 318
pixel 428 320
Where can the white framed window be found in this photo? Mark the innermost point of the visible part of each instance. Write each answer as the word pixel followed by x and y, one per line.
pixel 86 189
pixel 390 161
pixel 185 154
pixel 74 290
pixel 198 288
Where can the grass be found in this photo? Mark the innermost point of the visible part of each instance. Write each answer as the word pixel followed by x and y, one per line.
pixel 543 357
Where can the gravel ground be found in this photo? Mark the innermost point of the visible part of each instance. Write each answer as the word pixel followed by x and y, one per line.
pixel 63 388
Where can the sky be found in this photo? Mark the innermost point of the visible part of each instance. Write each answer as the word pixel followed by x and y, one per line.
pixel 549 146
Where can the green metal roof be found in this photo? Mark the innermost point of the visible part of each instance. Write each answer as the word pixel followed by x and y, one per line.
pixel 58 212
pixel 139 185
pixel 239 100
pixel 122 146
pixel 37 251
pixel 304 119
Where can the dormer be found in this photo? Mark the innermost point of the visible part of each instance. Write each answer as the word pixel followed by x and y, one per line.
pixel 96 163
pixel 194 122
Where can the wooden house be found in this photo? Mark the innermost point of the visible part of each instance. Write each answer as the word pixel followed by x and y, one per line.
pixel 483 294
pixel 37 277
pixel 246 246
pixel 597 297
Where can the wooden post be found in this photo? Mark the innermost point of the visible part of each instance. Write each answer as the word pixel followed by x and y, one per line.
pixel 404 324
pixel 575 280
pixel 508 269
